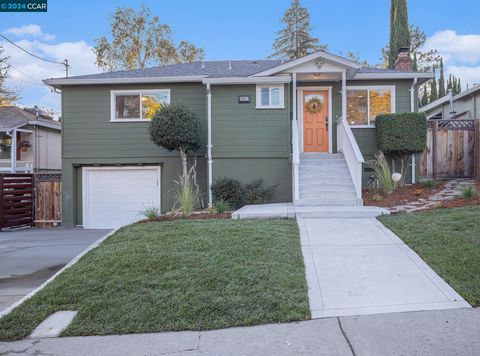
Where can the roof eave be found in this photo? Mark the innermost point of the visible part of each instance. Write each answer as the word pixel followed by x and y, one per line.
pixel 45 124
pixel 386 75
pixel 320 54
pixel 58 82
pixel 247 80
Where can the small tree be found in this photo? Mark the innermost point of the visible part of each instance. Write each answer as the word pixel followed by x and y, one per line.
pixel 401 135
pixel 177 128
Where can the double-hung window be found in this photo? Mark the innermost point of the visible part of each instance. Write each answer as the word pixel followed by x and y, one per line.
pixel 137 105
pixel 364 104
pixel 270 96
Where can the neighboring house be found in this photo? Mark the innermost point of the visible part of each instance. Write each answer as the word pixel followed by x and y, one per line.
pixel 30 141
pixel 465 105
pixel 269 119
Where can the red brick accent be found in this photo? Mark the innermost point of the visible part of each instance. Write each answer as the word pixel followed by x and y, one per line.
pixel 404 62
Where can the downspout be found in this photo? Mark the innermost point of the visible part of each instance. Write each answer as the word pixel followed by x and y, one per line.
pixel 413 109
pixel 209 144
pixel 13 150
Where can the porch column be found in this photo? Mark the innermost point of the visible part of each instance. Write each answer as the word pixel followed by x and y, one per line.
pixel 13 151
pixel 344 94
pixel 294 96
pixel 209 144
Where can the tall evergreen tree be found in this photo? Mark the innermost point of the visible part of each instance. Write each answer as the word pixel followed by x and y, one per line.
pixel 415 62
pixel 459 86
pixel 295 40
pixel 441 82
pixel 425 98
pixel 433 90
pixel 399 30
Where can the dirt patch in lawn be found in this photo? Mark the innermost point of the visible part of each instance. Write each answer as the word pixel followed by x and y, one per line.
pixel 401 196
pixel 193 216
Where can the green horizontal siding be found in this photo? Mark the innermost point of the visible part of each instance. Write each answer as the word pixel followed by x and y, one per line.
pixel 240 130
pixel 89 133
pixel 272 170
pixel 89 138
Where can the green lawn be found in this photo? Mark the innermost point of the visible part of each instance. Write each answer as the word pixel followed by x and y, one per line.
pixel 181 275
pixel 449 241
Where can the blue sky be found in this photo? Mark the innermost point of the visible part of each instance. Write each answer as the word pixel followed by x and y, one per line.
pixel 233 30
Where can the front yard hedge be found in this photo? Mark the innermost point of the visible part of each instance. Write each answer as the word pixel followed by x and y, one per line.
pixel 401 134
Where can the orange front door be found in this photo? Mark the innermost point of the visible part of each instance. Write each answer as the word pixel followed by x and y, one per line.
pixel 315 121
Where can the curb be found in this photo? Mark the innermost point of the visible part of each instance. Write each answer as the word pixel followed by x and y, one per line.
pixel 97 243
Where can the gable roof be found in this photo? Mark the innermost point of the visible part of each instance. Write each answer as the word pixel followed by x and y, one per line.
pixel 198 71
pixel 446 98
pixel 13 117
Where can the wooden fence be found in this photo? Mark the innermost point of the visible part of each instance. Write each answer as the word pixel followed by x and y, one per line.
pixel 452 149
pixel 48 200
pixel 16 200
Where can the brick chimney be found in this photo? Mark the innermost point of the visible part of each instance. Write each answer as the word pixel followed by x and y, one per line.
pixel 404 62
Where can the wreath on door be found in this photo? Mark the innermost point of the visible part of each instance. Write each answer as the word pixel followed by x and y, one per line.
pixel 314 105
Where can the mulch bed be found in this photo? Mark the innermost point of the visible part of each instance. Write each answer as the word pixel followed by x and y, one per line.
pixel 193 216
pixel 412 193
pixel 460 202
pixel 401 196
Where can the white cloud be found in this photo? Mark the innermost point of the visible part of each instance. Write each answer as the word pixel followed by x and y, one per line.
pixel 470 75
pixel 29 71
pixel 31 30
pixel 461 54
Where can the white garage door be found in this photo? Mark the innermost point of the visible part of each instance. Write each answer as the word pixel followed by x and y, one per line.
pixel 114 196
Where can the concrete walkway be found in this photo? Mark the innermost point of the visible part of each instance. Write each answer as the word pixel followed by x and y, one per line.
pixel 447 332
pixel 357 267
pixel 29 257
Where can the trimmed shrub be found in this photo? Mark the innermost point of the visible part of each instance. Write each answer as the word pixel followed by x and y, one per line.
pixel 221 206
pixel 229 190
pixel 401 134
pixel 256 193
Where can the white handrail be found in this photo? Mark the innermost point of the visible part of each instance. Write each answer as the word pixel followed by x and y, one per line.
pixel 295 160
pixel 347 144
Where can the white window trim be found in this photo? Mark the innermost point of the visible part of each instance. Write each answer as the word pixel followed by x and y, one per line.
pixel 271 86
pixel 374 87
pixel 114 93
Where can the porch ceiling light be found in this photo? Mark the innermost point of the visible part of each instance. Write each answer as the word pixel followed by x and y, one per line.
pixel 319 63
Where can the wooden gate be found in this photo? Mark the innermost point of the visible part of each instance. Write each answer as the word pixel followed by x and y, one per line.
pixel 48 200
pixel 452 149
pixel 17 200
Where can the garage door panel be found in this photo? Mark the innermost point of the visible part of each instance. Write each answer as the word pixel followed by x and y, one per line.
pixel 114 197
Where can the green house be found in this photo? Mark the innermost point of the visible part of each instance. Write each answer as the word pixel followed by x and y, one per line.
pixel 307 125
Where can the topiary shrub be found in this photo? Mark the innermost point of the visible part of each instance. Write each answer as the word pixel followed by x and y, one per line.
pixel 229 190
pixel 256 193
pixel 176 128
pixel 401 135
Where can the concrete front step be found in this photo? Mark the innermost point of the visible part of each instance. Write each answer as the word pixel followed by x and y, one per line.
pixel 306 156
pixel 339 212
pixel 289 210
pixel 328 186
pixel 329 202
pixel 306 181
pixel 327 195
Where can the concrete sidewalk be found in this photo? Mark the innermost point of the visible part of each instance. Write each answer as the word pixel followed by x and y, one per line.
pixel 445 332
pixel 359 267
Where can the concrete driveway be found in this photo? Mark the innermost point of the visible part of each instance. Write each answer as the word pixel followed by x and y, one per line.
pixel 29 257
pixel 358 266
